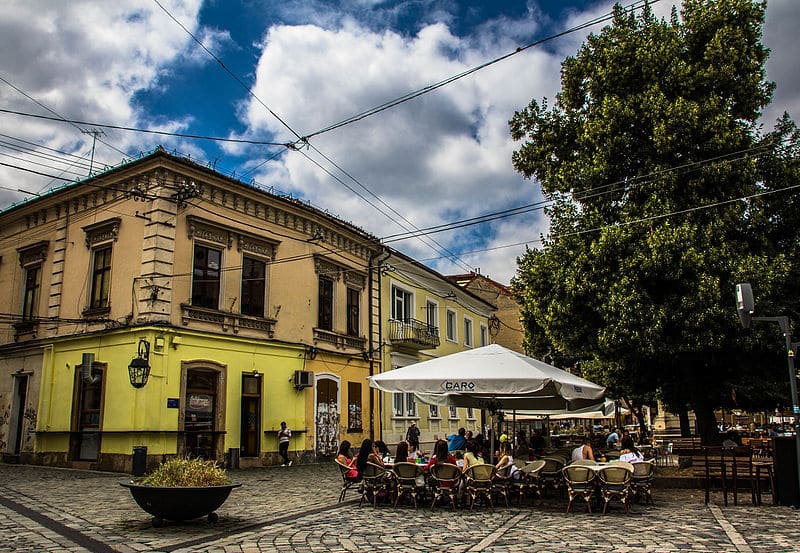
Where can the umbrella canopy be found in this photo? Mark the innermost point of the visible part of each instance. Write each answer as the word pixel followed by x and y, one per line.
pixel 494 378
pixel 602 410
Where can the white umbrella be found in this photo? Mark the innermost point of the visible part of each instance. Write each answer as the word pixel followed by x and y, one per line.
pixel 494 378
pixel 603 410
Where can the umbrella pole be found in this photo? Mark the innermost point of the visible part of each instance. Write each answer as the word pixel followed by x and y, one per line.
pixel 491 439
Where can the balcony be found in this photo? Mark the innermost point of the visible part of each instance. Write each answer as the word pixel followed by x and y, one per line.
pixel 413 334
pixel 226 320
pixel 340 341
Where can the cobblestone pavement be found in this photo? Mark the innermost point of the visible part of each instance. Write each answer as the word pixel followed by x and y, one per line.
pixel 295 509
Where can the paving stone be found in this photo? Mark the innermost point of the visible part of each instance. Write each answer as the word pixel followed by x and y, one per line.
pixel 296 511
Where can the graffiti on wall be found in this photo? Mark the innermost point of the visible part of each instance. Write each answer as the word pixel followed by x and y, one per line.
pixel 4 428
pixel 30 422
pixel 327 428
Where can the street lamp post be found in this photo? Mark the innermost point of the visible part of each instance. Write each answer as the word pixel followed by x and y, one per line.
pixel 745 306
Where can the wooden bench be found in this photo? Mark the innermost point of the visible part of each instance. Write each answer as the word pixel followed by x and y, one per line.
pixel 686 446
pixel 709 464
pixel 730 468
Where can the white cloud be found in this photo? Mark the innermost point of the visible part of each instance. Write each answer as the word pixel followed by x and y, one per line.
pixel 84 60
pixel 443 156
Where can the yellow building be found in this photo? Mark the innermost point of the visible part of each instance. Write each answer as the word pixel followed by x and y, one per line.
pixel 506 328
pixel 162 305
pixel 425 315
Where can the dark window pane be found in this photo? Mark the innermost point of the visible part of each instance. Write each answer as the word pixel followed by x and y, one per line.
pixel 101 278
pixel 353 300
pixel 205 284
pixel 253 286
pixel 31 295
pixel 325 319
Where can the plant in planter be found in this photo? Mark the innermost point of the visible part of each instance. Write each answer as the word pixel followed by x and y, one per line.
pixel 182 489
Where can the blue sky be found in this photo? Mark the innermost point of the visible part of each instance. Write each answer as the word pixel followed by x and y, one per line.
pixel 439 158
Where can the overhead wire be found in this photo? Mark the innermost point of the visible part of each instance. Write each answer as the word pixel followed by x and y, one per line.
pixel 145 131
pixel 300 140
pixel 638 4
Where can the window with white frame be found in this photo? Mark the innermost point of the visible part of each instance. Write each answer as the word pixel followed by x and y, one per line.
pixel 431 314
pixel 404 405
pixel 484 335
pixel 433 412
pixel 453 412
pixel 451 326
pixel 467 332
pixel 402 304
pixel 470 413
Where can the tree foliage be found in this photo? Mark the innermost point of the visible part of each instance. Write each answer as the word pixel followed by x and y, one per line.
pixel 652 159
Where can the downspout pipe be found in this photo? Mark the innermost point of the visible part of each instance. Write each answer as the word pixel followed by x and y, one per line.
pixel 375 263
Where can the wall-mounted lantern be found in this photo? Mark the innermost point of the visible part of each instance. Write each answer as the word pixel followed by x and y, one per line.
pixel 139 368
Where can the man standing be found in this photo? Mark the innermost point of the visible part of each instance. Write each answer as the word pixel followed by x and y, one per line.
pixel 412 437
pixel 283 446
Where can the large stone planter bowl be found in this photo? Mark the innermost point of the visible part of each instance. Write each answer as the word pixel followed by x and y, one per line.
pixel 179 503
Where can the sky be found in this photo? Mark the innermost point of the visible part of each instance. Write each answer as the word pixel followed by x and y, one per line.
pixel 263 73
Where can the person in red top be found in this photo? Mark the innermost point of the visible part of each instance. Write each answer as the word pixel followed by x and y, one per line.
pixel 441 455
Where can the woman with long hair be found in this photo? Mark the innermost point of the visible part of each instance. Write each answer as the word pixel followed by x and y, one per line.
pixel 630 452
pixel 345 457
pixel 441 455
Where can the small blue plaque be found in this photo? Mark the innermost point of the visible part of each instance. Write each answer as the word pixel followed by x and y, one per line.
pixel 173 403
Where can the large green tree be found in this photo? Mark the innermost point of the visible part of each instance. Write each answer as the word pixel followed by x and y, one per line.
pixel 643 154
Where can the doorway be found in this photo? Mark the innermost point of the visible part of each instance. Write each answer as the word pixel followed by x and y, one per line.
pixel 200 413
pixel 327 419
pixel 250 440
pixel 17 414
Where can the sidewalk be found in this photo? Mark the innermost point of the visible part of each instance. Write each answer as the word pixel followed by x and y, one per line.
pixel 290 509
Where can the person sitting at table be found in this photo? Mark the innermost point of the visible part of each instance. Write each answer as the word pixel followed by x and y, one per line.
pixel 441 455
pixel 583 451
pixel 383 449
pixel 612 439
pixel 471 456
pixel 368 453
pixel 457 441
pixel 402 454
pixel 345 458
pixel 507 461
pixel 629 451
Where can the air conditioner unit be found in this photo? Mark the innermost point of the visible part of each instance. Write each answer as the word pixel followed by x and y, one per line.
pixel 303 379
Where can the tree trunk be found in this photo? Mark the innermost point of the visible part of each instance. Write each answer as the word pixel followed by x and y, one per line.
pixel 707 424
pixel 683 417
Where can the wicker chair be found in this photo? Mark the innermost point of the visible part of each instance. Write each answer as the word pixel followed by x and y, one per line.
pixel 445 479
pixel 479 482
pixel 580 482
pixel 376 480
pixel 407 476
pixel 551 475
pixel 615 483
pixel 529 481
pixel 347 481
pixel 642 480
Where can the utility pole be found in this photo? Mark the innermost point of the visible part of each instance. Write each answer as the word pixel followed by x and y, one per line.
pixel 94 133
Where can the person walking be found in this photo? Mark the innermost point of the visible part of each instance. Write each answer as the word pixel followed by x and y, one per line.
pixel 283 444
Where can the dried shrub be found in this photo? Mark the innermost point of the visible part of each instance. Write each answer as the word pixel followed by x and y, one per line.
pixel 186 472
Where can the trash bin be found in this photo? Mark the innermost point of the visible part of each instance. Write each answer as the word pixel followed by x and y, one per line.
pixel 233 458
pixel 139 464
pixel 785 458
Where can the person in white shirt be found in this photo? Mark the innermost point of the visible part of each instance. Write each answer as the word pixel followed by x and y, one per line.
pixel 283 444
pixel 629 451
pixel 583 451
